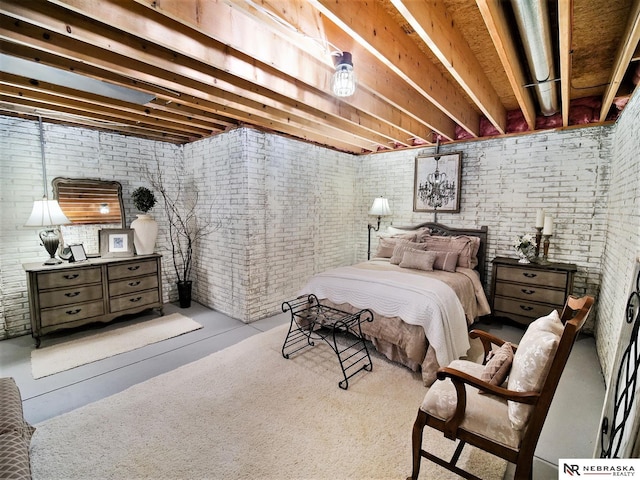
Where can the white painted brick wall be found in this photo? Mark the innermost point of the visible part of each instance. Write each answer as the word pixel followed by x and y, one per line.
pixel 621 234
pixel 504 182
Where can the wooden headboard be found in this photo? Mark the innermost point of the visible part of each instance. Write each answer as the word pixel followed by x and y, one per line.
pixel 444 231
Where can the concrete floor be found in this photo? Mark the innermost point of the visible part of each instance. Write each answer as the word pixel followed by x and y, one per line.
pixel 570 430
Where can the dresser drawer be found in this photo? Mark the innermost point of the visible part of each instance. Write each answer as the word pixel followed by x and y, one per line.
pixel 132 269
pixel 535 277
pixel 71 313
pixel 66 296
pixel 136 300
pixel 132 285
pixel 510 306
pixel 67 278
pixel 531 293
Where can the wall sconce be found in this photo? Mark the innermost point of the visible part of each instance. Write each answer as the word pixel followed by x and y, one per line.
pixel 343 82
pixel 380 208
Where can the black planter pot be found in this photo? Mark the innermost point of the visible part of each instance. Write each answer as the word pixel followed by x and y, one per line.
pixel 184 293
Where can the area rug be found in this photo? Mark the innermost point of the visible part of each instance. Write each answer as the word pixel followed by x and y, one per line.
pixel 64 356
pixel 247 413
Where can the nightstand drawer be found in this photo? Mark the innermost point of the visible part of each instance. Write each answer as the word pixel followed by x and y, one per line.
pixel 71 313
pixel 520 307
pixel 132 285
pixel 530 276
pixel 133 269
pixel 531 293
pixel 69 277
pixel 135 300
pixel 55 298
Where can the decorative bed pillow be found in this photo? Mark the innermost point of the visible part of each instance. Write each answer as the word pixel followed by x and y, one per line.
pixel 531 364
pixel 385 247
pixel 418 259
pixel 401 247
pixel 465 246
pixel 497 368
pixel 446 261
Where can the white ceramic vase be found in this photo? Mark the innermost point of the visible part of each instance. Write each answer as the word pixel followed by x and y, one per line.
pixel 523 257
pixel 145 232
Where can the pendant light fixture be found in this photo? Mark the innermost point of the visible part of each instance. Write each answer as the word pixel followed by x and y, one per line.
pixel 343 82
pixel 47 213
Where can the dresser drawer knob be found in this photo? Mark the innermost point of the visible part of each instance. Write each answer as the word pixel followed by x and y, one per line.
pixel 529 274
pixel 134 300
pixel 134 268
pixel 134 284
pixel 526 291
pixel 71 294
pixel 73 312
pixel 71 276
pixel 526 308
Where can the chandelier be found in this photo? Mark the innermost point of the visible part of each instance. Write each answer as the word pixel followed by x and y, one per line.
pixel 437 190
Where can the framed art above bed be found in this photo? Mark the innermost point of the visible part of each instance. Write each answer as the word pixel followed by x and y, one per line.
pixel 436 184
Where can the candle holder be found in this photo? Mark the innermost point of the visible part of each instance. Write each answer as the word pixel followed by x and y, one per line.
pixel 538 240
pixel 545 254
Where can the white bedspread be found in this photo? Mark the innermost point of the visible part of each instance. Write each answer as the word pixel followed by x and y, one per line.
pixel 423 301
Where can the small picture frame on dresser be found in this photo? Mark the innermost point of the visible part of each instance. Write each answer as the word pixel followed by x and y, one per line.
pixel 77 253
pixel 116 242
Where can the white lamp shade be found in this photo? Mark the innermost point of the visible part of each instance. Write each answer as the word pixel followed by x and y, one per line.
pixel 380 207
pixel 45 213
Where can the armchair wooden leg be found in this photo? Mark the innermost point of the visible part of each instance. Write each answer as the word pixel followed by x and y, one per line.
pixel 416 443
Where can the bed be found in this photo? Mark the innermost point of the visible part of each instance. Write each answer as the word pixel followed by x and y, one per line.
pixel 424 287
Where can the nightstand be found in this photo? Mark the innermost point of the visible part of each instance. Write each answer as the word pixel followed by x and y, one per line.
pixel 524 292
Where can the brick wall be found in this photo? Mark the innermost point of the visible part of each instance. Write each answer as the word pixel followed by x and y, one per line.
pixel 504 181
pixel 287 209
pixel 622 238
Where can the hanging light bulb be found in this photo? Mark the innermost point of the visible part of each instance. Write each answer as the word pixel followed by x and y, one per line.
pixel 343 82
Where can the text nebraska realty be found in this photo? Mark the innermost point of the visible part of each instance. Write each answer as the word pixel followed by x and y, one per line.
pixel 610 470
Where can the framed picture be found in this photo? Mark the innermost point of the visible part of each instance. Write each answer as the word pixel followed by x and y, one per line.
pixel 77 253
pixel 437 183
pixel 116 242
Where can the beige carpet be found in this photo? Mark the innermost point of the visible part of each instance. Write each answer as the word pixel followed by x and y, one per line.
pixel 247 413
pixel 64 356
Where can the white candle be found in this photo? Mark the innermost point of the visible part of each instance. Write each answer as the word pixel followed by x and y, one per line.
pixel 540 218
pixel 548 226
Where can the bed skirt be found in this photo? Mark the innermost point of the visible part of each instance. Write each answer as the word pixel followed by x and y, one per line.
pixel 400 342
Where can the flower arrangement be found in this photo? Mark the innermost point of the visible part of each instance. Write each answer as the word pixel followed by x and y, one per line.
pixel 525 246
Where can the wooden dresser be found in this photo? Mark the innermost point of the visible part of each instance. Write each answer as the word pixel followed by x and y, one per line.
pixel 97 290
pixel 525 292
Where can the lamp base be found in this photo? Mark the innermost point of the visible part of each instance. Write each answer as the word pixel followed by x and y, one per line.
pixel 50 241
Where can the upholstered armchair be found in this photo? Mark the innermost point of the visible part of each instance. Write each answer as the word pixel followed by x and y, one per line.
pixel 500 406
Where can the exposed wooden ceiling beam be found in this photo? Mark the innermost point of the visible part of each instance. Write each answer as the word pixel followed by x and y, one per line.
pixel 496 22
pixel 565 27
pixel 386 40
pixel 630 38
pixel 234 66
pixel 417 112
pixel 433 25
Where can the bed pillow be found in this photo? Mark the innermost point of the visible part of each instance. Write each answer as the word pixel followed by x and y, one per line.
pixel 401 247
pixel 465 246
pixel 418 259
pixel 385 247
pixel 392 232
pixel 447 261
pixel 497 368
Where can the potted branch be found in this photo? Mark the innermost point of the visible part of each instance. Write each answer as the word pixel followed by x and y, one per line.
pixel 145 228
pixel 185 228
